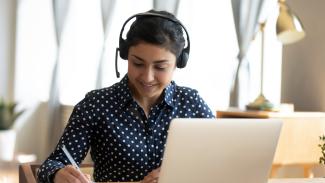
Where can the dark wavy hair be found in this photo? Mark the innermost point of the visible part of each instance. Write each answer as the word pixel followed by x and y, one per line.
pixel 158 31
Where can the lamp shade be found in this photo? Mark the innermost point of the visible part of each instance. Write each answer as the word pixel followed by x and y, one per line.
pixel 288 26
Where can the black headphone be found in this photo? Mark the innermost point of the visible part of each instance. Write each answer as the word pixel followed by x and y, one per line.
pixel 123 46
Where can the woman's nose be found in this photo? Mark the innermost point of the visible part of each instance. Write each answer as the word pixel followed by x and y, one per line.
pixel 148 75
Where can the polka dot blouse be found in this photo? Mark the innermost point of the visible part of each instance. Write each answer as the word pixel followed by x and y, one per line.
pixel 125 145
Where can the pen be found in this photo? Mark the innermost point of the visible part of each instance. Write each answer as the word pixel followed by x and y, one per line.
pixel 66 152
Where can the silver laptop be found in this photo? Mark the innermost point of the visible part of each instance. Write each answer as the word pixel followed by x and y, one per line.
pixel 219 150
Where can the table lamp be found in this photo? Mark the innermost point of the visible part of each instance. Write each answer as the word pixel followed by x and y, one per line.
pixel 288 26
pixel 289 30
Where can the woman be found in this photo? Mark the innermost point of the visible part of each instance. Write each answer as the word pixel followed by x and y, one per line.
pixel 126 124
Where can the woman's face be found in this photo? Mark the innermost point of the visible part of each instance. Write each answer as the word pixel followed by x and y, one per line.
pixel 150 70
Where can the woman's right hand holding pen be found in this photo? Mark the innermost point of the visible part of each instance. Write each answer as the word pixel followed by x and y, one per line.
pixel 70 174
pixel 152 177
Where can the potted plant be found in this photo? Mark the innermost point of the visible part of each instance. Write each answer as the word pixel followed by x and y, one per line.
pixel 8 116
pixel 322 147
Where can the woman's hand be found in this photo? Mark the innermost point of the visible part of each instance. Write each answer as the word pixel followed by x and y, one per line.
pixel 152 177
pixel 71 175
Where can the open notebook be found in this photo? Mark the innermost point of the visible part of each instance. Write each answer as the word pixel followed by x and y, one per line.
pixel 219 150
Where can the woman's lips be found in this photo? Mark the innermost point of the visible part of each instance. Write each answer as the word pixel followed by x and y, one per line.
pixel 147 87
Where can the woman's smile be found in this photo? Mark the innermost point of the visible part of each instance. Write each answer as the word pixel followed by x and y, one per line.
pixel 150 70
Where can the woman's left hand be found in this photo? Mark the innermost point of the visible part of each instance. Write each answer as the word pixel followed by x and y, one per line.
pixel 152 177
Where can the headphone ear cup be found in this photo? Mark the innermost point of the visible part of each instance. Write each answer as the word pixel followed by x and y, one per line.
pixel 182 60
pixel 123 49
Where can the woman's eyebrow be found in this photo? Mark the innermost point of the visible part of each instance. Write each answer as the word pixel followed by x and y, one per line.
pixel 160 61
pixel 156 61
pixel 139 58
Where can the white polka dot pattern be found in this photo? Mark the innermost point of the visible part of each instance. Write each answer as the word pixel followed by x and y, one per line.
pixel 125 144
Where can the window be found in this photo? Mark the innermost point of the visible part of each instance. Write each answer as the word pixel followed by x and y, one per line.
pixel 213 55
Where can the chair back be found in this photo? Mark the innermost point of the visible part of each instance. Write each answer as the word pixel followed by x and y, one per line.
pixel 27 172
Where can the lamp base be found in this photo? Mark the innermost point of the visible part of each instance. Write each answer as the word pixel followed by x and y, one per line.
pixel 261 103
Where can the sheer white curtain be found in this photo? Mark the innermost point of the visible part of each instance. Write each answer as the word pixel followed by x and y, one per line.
pixel 167 5
pixel 35 51
pixel 107 8
pixel 213 50
pixel 81 49
pixel 35 60
pixel 7 48
pixel 246 86
pixel 60 12
pixel 246 16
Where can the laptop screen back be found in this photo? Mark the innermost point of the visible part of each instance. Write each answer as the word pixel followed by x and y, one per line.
pixel 219 150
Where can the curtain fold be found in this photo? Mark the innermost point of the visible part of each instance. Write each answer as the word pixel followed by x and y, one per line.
pixel 246 15
pixel 167 5
pixel 107 8
pixel 60 11
pixel 8 11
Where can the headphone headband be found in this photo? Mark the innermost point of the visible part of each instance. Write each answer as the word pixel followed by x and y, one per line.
pixel 148 14
pixel 181 61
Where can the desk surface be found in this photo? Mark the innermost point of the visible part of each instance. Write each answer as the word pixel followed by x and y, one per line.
pixel 300 180
pixel 8 172
pixel 314 180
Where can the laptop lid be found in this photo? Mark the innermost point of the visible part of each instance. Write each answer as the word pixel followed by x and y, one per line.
pixel 219 150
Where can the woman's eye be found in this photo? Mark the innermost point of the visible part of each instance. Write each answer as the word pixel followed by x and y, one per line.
pixel 137 64
pixel 160 67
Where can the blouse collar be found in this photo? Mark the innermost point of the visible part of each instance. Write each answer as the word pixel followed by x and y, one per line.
pixel 125 99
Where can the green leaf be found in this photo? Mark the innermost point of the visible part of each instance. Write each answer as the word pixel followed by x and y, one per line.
pixel 8 114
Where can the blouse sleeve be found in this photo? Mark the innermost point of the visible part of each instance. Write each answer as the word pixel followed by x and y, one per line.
pixel 202 109
pixel 76 137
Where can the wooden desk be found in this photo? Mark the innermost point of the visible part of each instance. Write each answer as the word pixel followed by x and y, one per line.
pixel 315 180
pixel 301 180
pixel 299 138
pixel 8 172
